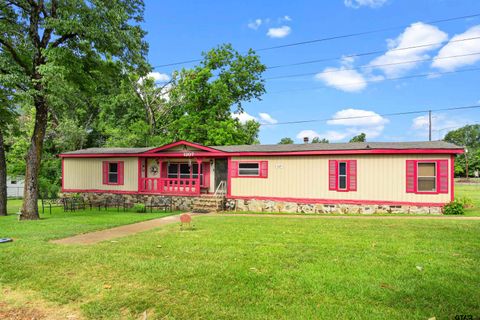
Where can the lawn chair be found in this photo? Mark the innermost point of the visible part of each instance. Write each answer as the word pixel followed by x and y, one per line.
pixel 117 201
pixel 160 203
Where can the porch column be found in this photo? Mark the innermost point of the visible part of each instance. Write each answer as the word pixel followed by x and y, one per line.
pixel 160 181
pixel 199 162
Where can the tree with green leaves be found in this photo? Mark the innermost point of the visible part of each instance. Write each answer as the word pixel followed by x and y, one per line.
pixel 286 140
pixel 468 137
pixel 318 140
pixel 201 100
pixel 362 137
pixel 57 50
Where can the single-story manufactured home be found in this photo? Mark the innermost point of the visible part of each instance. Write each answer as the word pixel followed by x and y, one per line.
pixel 364 177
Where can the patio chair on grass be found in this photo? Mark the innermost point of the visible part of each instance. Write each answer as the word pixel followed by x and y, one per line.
pixel 160 203
pixel 117 201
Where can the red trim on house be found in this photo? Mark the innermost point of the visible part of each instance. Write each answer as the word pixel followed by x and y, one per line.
pixel 181 142
pixel 63 175
pixel 139 173
pixel 217 153
pixel 342 201
pixel 229 177
pixel 452 177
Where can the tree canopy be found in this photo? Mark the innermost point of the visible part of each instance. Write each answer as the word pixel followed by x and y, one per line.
pixel 286 140
pixel 362 137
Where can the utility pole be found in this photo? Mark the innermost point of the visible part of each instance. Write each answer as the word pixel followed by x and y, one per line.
pixel 429 125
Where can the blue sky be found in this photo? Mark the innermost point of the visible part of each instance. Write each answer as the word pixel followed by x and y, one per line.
pixel 181 30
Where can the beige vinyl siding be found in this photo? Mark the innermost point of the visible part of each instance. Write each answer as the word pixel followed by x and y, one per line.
pixel 379 177
pixel 87 174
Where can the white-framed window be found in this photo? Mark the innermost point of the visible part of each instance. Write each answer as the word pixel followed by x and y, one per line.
pixel 426 177
pixel 184 171
pixel 342 175
pixel 113 172
pixel 249 169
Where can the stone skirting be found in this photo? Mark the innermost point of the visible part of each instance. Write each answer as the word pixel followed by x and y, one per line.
pixel 186 203
pixel 255 205
pixel 179 202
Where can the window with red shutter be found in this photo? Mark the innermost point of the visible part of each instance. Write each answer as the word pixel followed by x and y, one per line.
pixel 264 169
pixel 332 175
pixel 442 176
pixel 352 175
pixel 410 176
pixel 112 172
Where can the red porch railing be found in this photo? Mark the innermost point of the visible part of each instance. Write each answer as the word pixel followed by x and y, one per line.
pixel 170 186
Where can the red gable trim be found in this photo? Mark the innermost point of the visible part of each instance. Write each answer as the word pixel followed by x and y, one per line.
pixel 216 153
pixel 181 142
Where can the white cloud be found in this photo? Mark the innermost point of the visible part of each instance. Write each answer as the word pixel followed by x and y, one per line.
pixel 441 125
pixel 158 77
pixel 456 48
pixel 417 34
pixel 362 118
pixel 243 117
pixel 279 32
pixel 255 24
pixel 367 3
pixel 266 118
pixel 330 135
pixel 287 18
pixel 342 79
pixel 263 117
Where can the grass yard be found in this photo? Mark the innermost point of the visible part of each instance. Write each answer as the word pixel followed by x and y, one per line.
pixel 248 268
pixel 471 191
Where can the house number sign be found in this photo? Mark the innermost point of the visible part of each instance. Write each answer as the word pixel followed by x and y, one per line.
pixel 188 154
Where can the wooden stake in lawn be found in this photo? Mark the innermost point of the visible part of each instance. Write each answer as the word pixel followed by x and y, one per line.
pixel 185 220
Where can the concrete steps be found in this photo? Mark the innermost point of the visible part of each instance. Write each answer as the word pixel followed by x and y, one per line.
pixel 208 203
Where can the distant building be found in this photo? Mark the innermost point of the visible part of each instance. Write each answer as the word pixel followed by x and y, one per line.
pixel 15 186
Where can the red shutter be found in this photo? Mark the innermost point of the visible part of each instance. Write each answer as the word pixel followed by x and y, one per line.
pixel 233 169
pixel 206 174
pixel 120 172
pixel 442 169
pixel 410 176
pixel 163 170
pixel 352 175
pixel 105 172
pixel 332 175
pixel 264 169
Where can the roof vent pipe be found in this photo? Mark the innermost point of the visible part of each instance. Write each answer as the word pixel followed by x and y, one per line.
pixel 305 139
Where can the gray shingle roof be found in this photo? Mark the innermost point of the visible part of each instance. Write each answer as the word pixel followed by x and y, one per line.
pixel 109 150
pixel 294 147
pixel 338 146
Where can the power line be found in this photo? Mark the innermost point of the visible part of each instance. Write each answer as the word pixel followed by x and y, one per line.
pixel 369 53
pixel 329 38
pixel 375 80
pixel 373 116
pixel 370 66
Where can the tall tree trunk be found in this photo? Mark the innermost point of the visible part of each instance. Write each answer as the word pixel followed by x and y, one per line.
pixel 33 161
pixel 3 177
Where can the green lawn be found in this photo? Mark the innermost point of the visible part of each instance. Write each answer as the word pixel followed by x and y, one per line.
pixel 472 191
pixel 249 268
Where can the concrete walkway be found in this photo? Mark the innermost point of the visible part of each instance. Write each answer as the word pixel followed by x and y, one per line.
pixel 117 232
pixel 126 230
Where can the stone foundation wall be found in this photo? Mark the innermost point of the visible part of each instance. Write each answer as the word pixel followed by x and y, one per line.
pixel 255 205
pixel 184 203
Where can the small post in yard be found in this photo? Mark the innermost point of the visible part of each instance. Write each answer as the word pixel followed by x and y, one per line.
pixel 429 125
